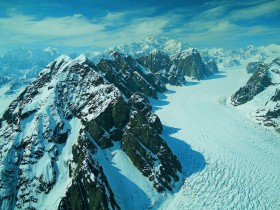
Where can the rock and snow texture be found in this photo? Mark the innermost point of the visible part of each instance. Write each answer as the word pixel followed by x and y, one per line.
pixel 61 128
pixel 261 95
pixel 236 163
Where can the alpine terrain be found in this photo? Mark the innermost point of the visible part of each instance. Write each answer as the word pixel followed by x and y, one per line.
pixel 153 124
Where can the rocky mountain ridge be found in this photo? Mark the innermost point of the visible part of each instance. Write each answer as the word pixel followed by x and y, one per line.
pixel 51 135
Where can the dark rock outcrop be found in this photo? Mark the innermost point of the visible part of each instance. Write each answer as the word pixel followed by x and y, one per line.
pixel 173 70
pixel 190 64
pixel 89 188
pixel 146 149
pixel 254 66
pixel 163 67
pixel 129 76
pixel 259 81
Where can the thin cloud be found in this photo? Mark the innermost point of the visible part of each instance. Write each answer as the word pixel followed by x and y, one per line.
pixel 256 11
pixel 77 30
pixel 226 24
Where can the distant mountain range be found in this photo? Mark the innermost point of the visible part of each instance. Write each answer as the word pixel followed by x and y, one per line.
pixel 26 63
pixel 230 58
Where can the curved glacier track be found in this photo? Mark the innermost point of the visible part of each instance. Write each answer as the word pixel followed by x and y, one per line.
pixel 241 168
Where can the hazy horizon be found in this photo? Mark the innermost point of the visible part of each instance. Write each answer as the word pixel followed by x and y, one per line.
pixel 88 49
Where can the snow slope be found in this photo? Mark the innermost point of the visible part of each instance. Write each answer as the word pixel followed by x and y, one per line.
pixel 230 162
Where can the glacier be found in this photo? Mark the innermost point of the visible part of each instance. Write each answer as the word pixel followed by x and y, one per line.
pixel 242 158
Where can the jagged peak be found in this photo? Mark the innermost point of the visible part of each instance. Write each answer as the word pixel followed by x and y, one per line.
pixel 58 61
pixel 81 59
pixel 62 57
pixel 152 38
pixel 187 52
pixel 114 53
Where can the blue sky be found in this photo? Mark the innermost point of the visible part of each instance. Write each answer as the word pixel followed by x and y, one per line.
pixel 98 24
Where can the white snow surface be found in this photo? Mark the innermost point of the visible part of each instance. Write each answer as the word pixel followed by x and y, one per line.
pixel 230 161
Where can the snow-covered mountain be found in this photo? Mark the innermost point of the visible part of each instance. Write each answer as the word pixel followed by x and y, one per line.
pixel 261 94
pixel 229 58
pixel 63 136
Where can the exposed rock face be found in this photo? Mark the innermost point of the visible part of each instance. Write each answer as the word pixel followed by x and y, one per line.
pixel 51 133
pixel 37 129
pixel 212 66
pixel 157 61
pixel 130 76
pixel 162 66
pixel 169 59
pixel 108 126
pixel 89 188
pixel 173 69
pixel 256 84
pixel 261 95
pixel 190 64
pixel 146 149
pixel 254 66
